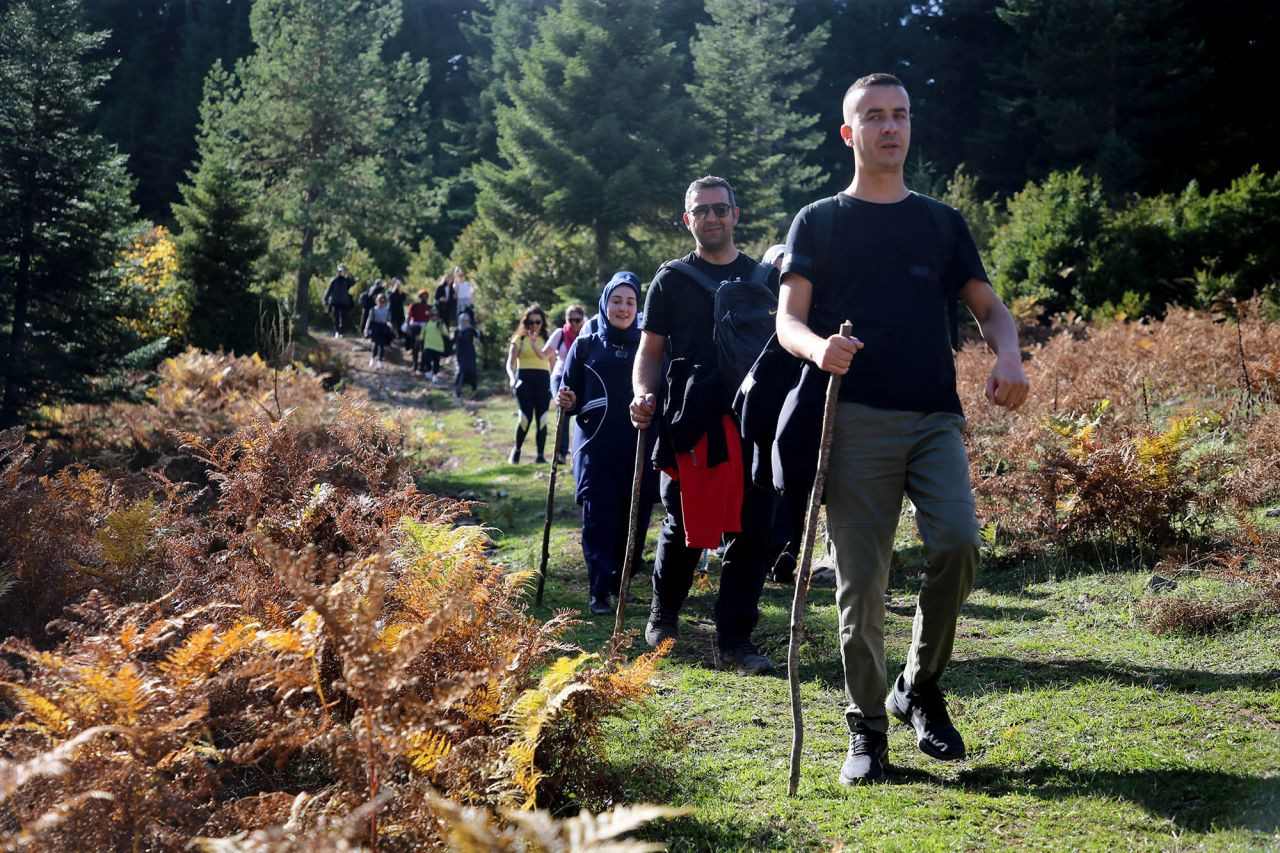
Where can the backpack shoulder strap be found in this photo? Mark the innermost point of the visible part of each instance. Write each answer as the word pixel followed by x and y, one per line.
pixel 941 218
pixel 707 282
pixel 760 275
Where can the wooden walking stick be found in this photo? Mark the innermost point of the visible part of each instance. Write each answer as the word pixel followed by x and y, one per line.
pixel 802 574
pixel 628 562
pixel 551 497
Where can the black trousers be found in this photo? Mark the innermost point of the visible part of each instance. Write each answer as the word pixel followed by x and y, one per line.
pixel 744 565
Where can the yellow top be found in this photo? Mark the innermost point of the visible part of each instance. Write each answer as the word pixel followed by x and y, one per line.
pixel 528 359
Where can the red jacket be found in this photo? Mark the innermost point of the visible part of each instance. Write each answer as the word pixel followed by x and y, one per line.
pixel 710 496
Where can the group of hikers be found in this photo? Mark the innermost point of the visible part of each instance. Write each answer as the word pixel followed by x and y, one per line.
pixel 893 263
pixel 431 328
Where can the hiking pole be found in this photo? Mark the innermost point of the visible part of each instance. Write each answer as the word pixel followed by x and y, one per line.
pixel 551 497
pixel 802 573
pixel 628 562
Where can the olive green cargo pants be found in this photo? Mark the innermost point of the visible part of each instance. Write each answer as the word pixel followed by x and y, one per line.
pixel 877 456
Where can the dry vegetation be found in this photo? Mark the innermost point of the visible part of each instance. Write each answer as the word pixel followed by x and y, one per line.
pixel 238 620
pixel 243 621
pixel 1156 442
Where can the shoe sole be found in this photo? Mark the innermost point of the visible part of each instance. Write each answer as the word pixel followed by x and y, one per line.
pixel 922 744
pixel 860 783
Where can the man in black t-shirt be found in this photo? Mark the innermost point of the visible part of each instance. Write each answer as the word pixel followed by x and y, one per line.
pixel 893 263
pixel 679 323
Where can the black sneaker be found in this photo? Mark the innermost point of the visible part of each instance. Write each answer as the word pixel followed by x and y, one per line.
pixel 514 458
pixel 924 708
pixel 660 628
pixel 599 605
pixel 867 758
pixel 744 658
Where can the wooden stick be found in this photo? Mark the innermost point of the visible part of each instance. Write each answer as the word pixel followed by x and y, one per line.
pixel 628 562
pixel 802 573
pixel 551 497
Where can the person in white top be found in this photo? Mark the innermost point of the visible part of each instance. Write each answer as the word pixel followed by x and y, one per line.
pixel 463 291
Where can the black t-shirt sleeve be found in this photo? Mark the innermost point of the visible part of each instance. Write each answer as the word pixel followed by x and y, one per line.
pixel 657 316
pixel 965 261
pixel 799 256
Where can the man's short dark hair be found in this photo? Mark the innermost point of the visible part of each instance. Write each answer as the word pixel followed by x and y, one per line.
pixel 707 182
pixel 880 78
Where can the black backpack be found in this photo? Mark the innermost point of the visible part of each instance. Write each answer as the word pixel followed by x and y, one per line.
pixel 745 315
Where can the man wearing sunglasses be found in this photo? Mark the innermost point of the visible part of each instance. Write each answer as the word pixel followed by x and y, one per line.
pixel 679 323
pixel 894 263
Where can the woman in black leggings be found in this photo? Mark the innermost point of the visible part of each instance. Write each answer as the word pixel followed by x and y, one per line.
pixel 529 369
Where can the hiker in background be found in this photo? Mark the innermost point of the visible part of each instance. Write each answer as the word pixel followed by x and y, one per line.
pixel 395 301
pixel 464 294
pixel 419 313
pixel 337 299
pixel 446 299
pixel 679 321
pixel 464 344
pixel 529 372
pixel 597 388
pixel 379 330
pixel 894 263
pixel 560 341
pixel 368 300
pixel 432 337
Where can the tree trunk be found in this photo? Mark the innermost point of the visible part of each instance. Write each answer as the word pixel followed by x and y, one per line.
pixel 15 368
pixel 302 293
pixel 602 255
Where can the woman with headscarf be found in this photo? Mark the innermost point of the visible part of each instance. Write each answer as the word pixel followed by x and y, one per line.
pixel 596 387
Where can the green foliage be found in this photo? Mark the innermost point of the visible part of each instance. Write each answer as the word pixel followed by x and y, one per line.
pixel 426 266
pixel 1102 79
pixel 218 249
pixel 748 104
pixel 64 204
pixel 594 130
pixel 330 131
pixel 1064 245
pixel 1046 248
pixel 983 216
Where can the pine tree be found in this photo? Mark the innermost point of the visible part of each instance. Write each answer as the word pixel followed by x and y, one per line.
pixel 746 101
pixel 218 246
pixel 1102 80
pixel 64 203
pixel 594 136
pixel 332 134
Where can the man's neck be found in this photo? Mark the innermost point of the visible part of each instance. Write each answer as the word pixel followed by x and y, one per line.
pixel 878 187
pixel 719 257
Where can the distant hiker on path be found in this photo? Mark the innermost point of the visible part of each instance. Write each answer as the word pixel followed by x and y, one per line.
pixel 337 299
pixel 711 495
pixel 529 372
pixel 894 264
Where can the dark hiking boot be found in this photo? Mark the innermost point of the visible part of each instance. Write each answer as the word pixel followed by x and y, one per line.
pixel 924 708
pixel 660 628
pixel 867 758
pixel 599 605
pixel 744 658
pixel 784 569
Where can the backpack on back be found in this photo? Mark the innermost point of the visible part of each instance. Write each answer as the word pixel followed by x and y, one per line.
pixel 745 313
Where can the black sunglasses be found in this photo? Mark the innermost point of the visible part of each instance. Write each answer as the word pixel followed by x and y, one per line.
pixel 700 211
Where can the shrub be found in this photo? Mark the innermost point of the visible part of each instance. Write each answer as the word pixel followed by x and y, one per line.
pixel 294 633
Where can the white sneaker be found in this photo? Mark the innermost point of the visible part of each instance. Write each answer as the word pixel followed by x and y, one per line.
pixel 372 361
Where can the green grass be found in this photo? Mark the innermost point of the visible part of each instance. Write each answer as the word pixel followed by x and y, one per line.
pixel 1085 731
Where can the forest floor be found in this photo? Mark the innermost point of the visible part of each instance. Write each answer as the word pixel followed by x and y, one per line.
pixel 1084 730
